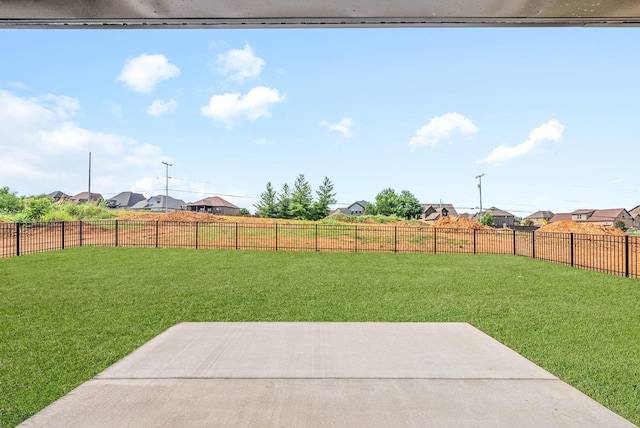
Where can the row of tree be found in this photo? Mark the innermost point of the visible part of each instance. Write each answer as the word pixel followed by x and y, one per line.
pixel 388 202
pixel 297 203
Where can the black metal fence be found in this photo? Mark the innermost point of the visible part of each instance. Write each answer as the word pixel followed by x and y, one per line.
pixel 613 254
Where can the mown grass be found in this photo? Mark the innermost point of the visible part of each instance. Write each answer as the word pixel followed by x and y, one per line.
pixel 67 315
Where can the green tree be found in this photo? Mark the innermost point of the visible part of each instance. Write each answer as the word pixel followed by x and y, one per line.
pixel 284 202
pixel 267 206
pixel 487 219
pixel 387 202
pixel 301 199
pixel 9 202
pixel 36 208
pixel 408 206
pixel 371 209
pixel 326 197
pixel 243 211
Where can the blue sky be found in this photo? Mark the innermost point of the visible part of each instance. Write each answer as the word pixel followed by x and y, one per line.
pixel 549 115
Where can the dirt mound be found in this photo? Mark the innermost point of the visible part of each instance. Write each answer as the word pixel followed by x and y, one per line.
pixel 190 216
pixel 568 226
pixel 454 222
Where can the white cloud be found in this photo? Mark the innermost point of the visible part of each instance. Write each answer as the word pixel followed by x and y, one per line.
pixel 63 106
pixel 617 181
pixel 345 126
pixel 240 64
pixel 550 131
pixel 144 72
pixel 159 107
pixel 442 128
pixel 42 150
pixel 17 85
pixel 228 108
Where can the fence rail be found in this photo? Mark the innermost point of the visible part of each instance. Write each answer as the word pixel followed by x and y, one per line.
pixel 613 254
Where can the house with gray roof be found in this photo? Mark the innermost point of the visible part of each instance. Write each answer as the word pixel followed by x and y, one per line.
pixel 125 200
pixel 57 196
pixel 635 216
pixel 82 197
pixel 433 212
pixel 159 203
pixel 501 218
pixel 356 208
pixel 213 205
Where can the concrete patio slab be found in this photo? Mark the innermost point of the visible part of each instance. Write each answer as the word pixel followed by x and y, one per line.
pixel 325 374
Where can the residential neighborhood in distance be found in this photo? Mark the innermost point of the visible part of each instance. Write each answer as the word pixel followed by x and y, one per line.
pixel 610 217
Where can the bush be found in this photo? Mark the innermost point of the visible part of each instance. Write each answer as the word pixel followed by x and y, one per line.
pixel 36 208
pixel 487 219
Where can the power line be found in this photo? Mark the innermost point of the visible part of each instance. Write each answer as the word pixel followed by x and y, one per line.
pixel 213 194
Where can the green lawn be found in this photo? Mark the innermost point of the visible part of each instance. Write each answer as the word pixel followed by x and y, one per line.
pixel 67 315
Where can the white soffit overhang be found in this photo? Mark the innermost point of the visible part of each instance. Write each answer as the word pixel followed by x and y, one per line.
pixel 315 13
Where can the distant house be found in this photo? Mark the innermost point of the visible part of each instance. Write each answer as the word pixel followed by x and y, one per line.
pixel 500 218
pixel 159 203
pixel 560 217
pixel 356 208
pixel 82 198
pixel 213 205
pixel 125 200
pixel 539 217
pixel 57 196
pixel 608 217
pixel 432 212
pixel 635 215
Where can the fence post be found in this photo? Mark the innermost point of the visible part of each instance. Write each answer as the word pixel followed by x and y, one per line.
pixel 355 233
pixel 395 239
pixel 533 244
pixel 157 233
pixel 572 251
pixel 116 233
pixel 62 222
pixel 197 234
pixel 514 242
pixel 475 232
pixel 80 232
pixel 316 237
pixel 237 235
pixel 626 256
pixel 17 239
pixel 435 248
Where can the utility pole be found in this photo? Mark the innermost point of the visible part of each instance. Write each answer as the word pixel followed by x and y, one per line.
pixel 166 188
pixel 479 177
pixel 89 192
